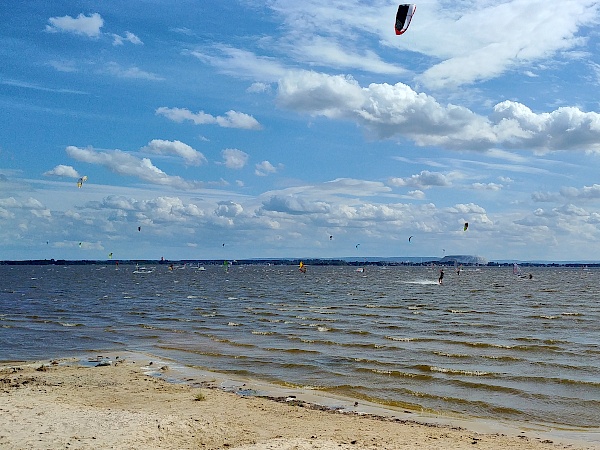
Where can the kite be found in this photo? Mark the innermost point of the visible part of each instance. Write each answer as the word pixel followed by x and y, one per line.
pixel 139 228
pixel 330 237
pixel 466 226
pixel 404 16
pixel 357 245
pixel 110 255
pixel 82 180
pixel 409 238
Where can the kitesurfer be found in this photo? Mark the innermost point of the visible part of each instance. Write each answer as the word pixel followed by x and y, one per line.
pixel 441 276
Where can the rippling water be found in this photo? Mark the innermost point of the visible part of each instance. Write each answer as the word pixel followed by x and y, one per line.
pixel 485 343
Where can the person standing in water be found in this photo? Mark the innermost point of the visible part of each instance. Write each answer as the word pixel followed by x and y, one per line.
pixel 441 276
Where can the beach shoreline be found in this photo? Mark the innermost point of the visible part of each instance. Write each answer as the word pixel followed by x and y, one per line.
pixel 132 400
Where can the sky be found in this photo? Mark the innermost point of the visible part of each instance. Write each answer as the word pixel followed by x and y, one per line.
pixel 239 129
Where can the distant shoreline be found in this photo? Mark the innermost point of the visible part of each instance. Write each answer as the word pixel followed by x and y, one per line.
pixel 372 261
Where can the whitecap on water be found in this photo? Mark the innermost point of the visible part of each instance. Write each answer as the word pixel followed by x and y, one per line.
pixel 421 282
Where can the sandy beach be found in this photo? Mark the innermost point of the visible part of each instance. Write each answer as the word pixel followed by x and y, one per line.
pixel 117 405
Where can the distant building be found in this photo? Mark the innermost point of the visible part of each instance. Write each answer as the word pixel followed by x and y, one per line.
pixel 470 260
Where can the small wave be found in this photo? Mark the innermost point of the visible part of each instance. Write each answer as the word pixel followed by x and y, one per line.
pixel 524 348
pixel 234 343
pixel 67 324
pixel 270 320
pixel 264 333
pixel 401 339
pixel 234 324
pixel 291 350
pixel 452 355
pixel 501 357
pixel 394 373
pixel 477 373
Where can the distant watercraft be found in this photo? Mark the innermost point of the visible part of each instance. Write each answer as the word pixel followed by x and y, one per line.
pixel 143 269
pixel 517 270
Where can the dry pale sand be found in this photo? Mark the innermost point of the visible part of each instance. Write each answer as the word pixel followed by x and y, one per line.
pixel 70 406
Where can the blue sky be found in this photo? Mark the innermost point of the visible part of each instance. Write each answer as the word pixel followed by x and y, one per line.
pixel 277 128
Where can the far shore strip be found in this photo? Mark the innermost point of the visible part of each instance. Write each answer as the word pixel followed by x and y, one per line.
pixel 114 404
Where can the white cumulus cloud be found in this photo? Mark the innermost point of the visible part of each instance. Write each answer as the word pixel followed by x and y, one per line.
pixel 123 163
pixel 63 171
pixel 234 158
pixel 82 25
pixel 162 147
pixel 231 119
pixel 397 110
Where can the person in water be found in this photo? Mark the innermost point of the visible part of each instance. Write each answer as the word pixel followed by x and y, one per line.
pixel 441 276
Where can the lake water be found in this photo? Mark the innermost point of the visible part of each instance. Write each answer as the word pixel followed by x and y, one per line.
pixel 485 344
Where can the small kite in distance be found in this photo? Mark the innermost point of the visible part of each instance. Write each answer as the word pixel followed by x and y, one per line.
pixel 139 228
pixel 82 180
pixel 409 238
pixel 466 226
pixel 404 16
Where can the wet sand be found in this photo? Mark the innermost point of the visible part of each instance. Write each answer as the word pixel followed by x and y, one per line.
pixel 121 403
